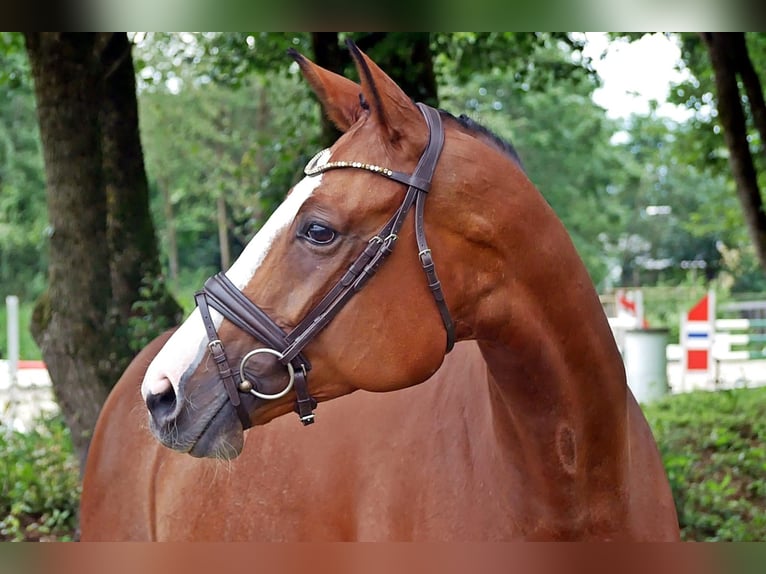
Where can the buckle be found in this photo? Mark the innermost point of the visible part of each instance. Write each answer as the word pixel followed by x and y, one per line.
pixel 215 346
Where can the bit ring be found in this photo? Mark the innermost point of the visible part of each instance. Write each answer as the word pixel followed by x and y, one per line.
pixel 248 387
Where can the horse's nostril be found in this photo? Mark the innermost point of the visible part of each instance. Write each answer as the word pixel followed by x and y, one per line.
pixel 162 405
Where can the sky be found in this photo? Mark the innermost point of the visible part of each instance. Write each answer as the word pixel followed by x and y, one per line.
pixel 634 73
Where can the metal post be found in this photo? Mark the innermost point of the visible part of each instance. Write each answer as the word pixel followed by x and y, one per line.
pixel 12 304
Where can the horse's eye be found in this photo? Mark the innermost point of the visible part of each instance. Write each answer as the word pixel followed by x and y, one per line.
pixel 319 234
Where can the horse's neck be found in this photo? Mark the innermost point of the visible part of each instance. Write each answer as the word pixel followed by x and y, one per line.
pixel 556 381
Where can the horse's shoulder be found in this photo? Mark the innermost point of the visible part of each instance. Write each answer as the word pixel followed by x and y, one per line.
pixel 121 435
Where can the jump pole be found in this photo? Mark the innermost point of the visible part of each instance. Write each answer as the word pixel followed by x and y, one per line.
pixel 12 305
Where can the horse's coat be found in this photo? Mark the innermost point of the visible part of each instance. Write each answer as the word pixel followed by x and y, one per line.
pixel 525 430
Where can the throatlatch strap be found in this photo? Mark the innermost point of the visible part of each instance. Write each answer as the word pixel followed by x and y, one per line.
pixel 428 161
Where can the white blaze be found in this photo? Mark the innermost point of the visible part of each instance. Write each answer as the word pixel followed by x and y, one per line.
pixel 188 343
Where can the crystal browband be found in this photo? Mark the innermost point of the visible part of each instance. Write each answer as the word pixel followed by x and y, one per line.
pixel 313 169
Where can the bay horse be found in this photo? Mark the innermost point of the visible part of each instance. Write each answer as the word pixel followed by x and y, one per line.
pixel 526 429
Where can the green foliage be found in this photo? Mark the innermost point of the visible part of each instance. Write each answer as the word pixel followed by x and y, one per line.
pixel 154 312
pixel 702 145
pixel 228 59
pixel 244 144
pixel 530 61
pixel 665 248
pixel 712 446
pixel 22 185
pixel 39 483
pixel 13 71
pixel 665 303
pixel 189 282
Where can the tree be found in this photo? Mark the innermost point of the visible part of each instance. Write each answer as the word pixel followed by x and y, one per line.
pixel 545 110
pixel 236 145
pixel 673 228
pixel 731 62
pixel 96 193
pixel 724 92
pixel 133 255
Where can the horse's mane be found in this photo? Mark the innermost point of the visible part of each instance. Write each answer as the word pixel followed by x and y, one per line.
pixel 483 133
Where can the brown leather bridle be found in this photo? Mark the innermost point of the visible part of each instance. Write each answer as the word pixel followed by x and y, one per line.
pixel 221 294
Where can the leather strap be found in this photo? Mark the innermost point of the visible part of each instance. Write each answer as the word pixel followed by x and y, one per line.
pixel 228 376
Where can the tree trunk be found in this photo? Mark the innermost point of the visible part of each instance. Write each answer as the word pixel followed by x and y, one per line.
pixel 727 60
pixel 170 229
pixel 71 323
pixel 223 230
pixel 130 230
pixel 103 254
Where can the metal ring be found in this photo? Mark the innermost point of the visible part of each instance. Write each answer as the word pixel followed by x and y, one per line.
pixel 278 355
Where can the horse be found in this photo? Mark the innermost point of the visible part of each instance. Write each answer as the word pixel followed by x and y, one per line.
pixel 467 385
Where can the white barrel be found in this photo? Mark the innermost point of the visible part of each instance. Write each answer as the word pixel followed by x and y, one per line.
pixel 646 366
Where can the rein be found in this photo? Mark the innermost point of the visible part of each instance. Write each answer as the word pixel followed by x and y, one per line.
pixel 223 296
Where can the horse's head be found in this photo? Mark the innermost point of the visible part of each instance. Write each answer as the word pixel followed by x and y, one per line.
pixel 337 225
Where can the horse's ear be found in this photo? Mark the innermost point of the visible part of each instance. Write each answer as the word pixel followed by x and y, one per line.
pixel 339 96
pixel 394 110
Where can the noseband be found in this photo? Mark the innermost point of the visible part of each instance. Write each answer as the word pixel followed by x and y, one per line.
pixel 222 295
